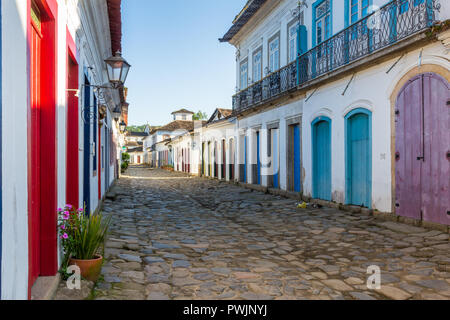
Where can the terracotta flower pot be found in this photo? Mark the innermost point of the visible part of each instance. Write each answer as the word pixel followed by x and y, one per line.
pixel 90 269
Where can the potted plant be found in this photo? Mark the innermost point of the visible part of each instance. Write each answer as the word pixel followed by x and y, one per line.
pixel 82 236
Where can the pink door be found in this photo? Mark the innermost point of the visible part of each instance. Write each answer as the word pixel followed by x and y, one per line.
pixel 423 149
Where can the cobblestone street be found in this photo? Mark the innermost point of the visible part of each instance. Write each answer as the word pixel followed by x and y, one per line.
pixel 176 237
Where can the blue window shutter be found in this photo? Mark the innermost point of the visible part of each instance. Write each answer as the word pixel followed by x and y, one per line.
pixel 302 47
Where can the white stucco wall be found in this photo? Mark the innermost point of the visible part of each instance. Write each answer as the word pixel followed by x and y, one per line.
pixel 370 89
pixel 14 269
pixel 281 115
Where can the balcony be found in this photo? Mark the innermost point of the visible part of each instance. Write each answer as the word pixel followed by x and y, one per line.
pixel 396 21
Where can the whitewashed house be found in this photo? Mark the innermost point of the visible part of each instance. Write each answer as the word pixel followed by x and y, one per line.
pixel 218 146
pixel 59 131
pixel 154 150
pixel 324 88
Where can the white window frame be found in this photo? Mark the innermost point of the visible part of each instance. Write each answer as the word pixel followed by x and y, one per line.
pixel 359 14
pixel 292 42
pixel 257 66
pixel 274 55
pixel 243 74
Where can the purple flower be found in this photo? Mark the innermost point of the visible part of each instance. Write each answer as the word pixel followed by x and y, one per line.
pixel 66 217
pixel 65 236
pixel 80 210
pixel 60 210
pixel 63 227
pixel 68 206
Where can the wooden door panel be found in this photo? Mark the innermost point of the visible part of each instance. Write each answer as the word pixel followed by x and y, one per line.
pixel 435 177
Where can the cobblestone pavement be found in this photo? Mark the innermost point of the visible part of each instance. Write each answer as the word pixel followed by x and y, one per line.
pixel 175 237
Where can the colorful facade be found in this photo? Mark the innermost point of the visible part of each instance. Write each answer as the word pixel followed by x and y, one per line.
pixel 59 130
pixel 332 84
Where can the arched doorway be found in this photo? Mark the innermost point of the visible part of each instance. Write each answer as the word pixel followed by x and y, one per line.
pixel 321 158
pixel 422 149
pixel 358 125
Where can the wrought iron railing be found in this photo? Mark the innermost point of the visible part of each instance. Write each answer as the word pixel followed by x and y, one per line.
pixel 393 22
pixel 273 85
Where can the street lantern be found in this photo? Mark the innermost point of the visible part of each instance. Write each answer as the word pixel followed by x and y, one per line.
pixel 117 113
pixel 117 69
pixel 122 126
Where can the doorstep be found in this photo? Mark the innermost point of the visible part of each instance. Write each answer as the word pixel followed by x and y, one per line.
pixel 45 288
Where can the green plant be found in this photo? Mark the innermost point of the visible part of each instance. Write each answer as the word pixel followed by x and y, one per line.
pixel 200 115
pixel 126 157
pixel 124 166
pixel 81 235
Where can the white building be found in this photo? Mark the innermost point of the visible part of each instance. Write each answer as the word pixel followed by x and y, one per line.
pixel 154 150
pixel 54 120
pixel 322 89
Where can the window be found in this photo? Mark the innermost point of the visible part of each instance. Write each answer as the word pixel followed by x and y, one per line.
pixel 293 38
pixel 183 117
pixel 244 75
pixel 323 21
pixel 292 43
pixel 358 10
pixel 257 65
pixel 404 5
pixel 274 54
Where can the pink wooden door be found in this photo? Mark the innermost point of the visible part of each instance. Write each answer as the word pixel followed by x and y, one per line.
pixel 422 149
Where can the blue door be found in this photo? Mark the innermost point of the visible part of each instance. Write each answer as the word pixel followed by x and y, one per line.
pixel 321 147
pixel 297 173
pixel 245 159
pixel 276 159
pixel 87 148
pixel 358 158
pixel 258 159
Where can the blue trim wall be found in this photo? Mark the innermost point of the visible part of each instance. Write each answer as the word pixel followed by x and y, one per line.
pixel 1 164
pixel 347 155
pixel 314 33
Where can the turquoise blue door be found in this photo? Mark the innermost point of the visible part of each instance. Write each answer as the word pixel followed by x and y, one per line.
pixel 297 174
pixel 245 159
pixel 276 157
pixel 358 158
pixel 321 150
pixel 258 160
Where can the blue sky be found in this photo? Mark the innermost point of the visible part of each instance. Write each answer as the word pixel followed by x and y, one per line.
pixel 177 60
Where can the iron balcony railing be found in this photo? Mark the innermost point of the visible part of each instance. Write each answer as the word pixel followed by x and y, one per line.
pixel 395 21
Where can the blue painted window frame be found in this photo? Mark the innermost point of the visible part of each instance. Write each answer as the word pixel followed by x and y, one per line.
pixel 347 152
pixel 314 21
pixel 313 130
pixel 347 12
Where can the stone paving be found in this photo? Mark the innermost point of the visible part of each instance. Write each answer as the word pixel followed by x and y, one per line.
pixel 178 237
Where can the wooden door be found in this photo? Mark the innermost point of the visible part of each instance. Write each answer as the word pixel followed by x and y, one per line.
pixel 359 155
pixel 258 159
pixel 224 160
pixel 294 164
pixel 423 149
pixel 322 159
pixel 275 158
pixel 35 154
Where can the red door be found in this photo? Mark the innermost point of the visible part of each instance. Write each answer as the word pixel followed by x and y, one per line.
pixel 35 138
pixel 72 162
pixel 423 149
pixel 42 177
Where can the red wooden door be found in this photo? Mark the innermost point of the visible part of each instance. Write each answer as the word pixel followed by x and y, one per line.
pixel 34 145
pixel 422 149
